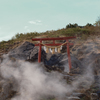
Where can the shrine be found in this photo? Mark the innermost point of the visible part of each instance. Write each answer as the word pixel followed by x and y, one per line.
pixel 54 45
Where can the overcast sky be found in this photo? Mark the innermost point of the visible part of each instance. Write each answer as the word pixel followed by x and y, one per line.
pixel 18 16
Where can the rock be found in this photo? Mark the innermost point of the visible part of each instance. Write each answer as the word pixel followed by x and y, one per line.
pixel 34 55
pixel 73 98
pixel 89 54
pixel 64 49
pixel 98 92
pixel 94 96
pixel 96 85
pixel 27 51
pixel 61 61
pixel 6 90
pixel 78 94
pixel 22 51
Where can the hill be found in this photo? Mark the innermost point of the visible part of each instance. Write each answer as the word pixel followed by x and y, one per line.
pixel 21 77
pixel 71 30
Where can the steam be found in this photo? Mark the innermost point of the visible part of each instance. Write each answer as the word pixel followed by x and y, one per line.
pixel 34 83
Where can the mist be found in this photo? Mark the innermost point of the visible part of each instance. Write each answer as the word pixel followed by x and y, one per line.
pixel 33 82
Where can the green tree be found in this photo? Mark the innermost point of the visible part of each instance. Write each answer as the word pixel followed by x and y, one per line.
pixel 72 25
pixel 88 24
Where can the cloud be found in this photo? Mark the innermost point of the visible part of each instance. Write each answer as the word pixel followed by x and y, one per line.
pixel 25 27
pixel 32 22
pixel 37 22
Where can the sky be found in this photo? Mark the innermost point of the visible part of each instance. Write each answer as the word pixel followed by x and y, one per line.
pixel 22 16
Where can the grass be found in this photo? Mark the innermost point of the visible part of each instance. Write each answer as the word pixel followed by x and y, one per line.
pixel 83 33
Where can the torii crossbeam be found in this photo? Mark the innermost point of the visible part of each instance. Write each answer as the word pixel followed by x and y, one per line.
pixel 54 44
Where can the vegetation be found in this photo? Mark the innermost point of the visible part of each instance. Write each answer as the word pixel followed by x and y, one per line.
pixel 71 30
pixel 97 23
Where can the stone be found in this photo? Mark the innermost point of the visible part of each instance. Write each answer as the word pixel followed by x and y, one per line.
pixel 94 96
pixel 22 51
pixel 34 55
pixel 27 51
pixel 73 98
pixel 6 90
pixel 60 61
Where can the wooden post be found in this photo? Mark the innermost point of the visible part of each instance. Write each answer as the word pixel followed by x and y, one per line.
pixel 69 58
pixel 39 53
pixel 53 41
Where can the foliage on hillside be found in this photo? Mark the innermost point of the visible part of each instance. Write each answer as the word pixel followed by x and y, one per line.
pixel 71 30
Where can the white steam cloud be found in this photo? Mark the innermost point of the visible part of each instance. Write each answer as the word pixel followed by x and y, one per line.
pixel 34 83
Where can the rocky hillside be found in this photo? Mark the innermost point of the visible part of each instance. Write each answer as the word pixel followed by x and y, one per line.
pixel 71 30
pixel 23 78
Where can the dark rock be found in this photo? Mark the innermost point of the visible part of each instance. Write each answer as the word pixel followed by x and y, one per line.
pixel 6 90
pixel 73 49
pixel 93 60
pixel 89 54
pixel 34 55
pixel 94 96
pixel 64 49
pixel 22 52
pixel 27 51
pixel 61 61
pixel 80 95
pixel 96 84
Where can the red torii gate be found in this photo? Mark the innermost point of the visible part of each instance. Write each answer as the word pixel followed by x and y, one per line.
pixel 54 44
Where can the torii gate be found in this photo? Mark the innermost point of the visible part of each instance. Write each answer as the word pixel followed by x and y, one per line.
pixel 54 44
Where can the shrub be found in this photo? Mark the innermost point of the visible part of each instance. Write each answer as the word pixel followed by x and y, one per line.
pixel 72 25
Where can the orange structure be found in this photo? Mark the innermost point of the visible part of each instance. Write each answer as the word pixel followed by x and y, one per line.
pixel 55 44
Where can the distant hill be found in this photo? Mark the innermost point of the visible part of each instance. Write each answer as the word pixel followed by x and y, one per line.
pixel 82 32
